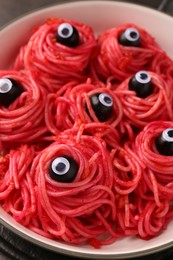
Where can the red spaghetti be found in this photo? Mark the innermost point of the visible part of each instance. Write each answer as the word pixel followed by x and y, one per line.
pixel 119 61
pixel 86 134
pixel 127 177
pixel 23 120
pixel 70 108
pixel 155 190
pixel 158 165
pixel 16 187
pixel 75 212
pixel 53 63
pixel 161 64
pixel 156 106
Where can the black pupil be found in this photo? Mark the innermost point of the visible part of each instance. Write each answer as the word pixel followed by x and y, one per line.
pixel 143 76
pixel 170 133
pixel 133 35
pixel 65 31
pixel 107 100
pixel 60 167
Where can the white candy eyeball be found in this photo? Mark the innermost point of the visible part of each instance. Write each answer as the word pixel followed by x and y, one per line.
pixel 65 30
pixel 60 166
pixel 5 85
pixel 67 35
pixel 130 37
pixel 167 135
pixel 132 34
pixel 105 100
pixel 143 77
pixel 63 169
pixel 164 142
pixel 10 90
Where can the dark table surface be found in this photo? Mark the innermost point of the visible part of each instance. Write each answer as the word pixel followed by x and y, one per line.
pixel 11 246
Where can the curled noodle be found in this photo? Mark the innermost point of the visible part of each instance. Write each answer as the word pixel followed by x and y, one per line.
pixel 53 63
pixel 70 109
pixel 120 61
pixel 17 193
pixel 85 208
pixel 157 106
pixel 122 186
pixel 23 119
pixel 74 107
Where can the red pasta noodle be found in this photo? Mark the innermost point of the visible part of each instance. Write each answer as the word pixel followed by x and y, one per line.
pixel 60 112
pixel 157 106
pixel 128 170
pixel 77 104
pixel 73 107
pixel 120 61
pixel 159 166
pixel 80 96
pixel 161 64
pixel 70 108
pixel 51 62
pixel 150 218
pixel 141 207
pixel 127 175
pixel 83 209
pixel 17 193
pixel 151 201
pixel 23 120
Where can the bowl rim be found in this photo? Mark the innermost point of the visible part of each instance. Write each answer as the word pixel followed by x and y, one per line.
pixel 37 240
pixel 81 2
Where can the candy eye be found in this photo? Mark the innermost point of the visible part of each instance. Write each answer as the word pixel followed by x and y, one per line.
pixel 65 30
pixel 63 169
pixel 141 83
pixel 130 37
pixel 164 143
pixel 10 90
pixel 67 35
pixel 105 100
pixel 102 104
pixel 60 166
pixel 5 85
pixel 143 77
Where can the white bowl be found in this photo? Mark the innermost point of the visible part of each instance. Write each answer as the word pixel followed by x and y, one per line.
pixel 101 15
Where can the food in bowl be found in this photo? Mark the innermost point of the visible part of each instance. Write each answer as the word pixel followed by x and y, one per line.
pixel 90 161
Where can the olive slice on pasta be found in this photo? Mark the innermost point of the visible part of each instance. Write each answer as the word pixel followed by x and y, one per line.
pixel 10 90
pixel 164 142
pixel 63 169
pixel 102 104
pixel 130 37
pixel 67 35
pixel 141 83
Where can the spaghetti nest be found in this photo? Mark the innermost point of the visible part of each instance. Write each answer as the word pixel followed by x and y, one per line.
pixel 119 61
pixel 156 106
pixel 70 109
pixel 159 166
pixel 78 160
pixel 23 120
pixel 75 212
pixel 53 63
